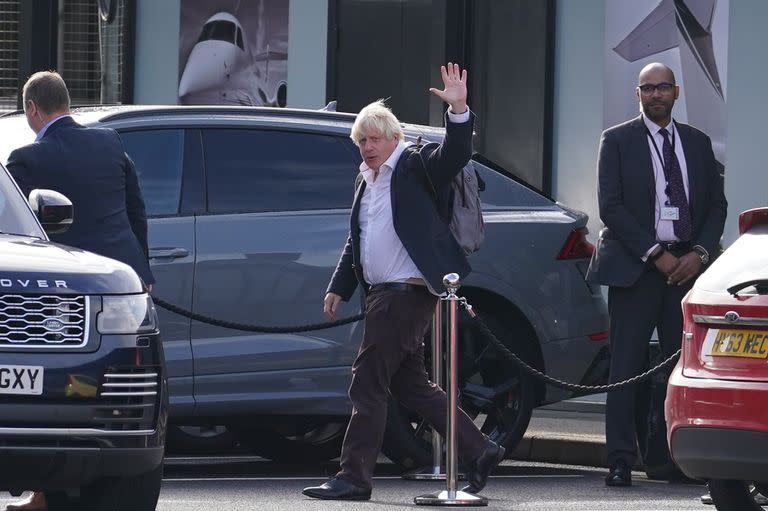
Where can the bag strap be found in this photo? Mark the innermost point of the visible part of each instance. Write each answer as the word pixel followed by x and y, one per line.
pixel 424 166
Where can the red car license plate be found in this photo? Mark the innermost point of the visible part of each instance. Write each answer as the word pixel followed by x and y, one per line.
pixel 740 343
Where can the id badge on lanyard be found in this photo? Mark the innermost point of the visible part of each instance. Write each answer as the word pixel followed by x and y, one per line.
pixel 670 213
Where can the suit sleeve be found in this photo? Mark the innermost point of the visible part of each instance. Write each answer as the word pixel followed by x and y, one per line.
pixel 137 213
pixel 447 160
pixel 714 221
pixel 344 280
pixel 620 222
pixel 19 170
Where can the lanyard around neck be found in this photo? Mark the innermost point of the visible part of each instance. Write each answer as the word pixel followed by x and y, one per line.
pixel 658 153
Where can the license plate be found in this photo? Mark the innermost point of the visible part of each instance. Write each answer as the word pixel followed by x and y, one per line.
pixel 21 380
pixel 739 343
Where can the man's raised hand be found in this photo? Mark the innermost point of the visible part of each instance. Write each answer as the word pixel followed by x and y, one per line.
pixel 455 91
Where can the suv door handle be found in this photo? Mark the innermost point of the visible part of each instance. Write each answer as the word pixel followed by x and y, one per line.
pixel 168 253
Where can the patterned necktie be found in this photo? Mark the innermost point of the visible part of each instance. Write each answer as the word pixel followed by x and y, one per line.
pixel 677 197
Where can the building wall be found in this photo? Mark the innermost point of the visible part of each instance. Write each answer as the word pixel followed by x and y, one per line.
pixel 156 72
pixel 307 53
pixel 746 176
pixel 578 108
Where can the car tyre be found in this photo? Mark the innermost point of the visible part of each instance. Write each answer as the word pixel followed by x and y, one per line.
pixel 200 440
pixel 130 493
pixel 407 438
pixel 311 441
pixel 733 495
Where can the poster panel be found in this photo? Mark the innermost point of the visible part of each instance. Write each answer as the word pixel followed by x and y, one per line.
pixel 233 52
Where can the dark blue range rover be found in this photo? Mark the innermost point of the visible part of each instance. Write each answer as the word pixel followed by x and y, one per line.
pixel 83 399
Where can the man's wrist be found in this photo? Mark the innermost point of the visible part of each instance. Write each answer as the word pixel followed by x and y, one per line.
pixel 655 255
pixel 458 108
pixel 702 253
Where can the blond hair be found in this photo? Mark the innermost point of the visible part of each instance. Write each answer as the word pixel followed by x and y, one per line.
pixel 377 118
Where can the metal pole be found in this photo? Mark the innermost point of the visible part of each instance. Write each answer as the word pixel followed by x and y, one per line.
pixel 451 496
pixel 437 379
pixel 451 463
pixel 435 472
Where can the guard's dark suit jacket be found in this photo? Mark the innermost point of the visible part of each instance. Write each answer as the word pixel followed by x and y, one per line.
pixel 420 227
pixel 627 200
pixel 90 167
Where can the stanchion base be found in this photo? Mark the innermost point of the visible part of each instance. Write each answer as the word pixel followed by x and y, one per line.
pixel 442 498
pixel 428 474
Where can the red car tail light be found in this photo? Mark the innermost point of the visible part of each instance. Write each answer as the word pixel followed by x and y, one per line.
pixel 576 245
pixel 599 336
pixel 752 217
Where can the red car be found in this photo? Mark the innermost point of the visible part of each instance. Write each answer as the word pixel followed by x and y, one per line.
pixel 717 398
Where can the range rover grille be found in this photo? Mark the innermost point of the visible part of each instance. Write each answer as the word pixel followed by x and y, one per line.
pixel 130 397
pixel 43 321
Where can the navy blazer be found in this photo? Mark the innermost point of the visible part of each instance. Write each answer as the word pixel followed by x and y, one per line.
pixel 90 167
pixel 627 200
pixel 417 222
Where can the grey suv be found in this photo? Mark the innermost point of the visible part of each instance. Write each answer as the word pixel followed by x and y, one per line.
pixel 249 210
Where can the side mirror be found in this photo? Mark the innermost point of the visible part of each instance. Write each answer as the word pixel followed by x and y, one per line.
pixel 53 210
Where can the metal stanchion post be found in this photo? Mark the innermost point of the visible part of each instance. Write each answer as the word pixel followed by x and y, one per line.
pixel 435 472
pixel 451 496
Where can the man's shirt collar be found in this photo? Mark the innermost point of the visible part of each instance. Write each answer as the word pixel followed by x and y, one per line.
pixel 387 166
pixel 41 133
pixel 655 128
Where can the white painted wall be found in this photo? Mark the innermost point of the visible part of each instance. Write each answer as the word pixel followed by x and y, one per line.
pixel 307 53
pixel 156 75
pixel 578 105
pixel 746 177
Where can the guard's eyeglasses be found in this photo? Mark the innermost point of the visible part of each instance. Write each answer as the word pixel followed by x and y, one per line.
pixel 649 88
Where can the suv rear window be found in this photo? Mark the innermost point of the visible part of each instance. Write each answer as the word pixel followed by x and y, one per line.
pixel 260 171
pixel 503 191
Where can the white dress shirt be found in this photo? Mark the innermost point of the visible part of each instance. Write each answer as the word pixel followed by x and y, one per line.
pixel 665 230
pixel 382 254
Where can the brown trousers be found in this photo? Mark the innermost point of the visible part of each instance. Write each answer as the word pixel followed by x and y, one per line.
pixel 391 360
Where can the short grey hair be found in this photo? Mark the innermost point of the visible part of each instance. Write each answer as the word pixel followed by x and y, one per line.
pixel 48 91
pixel 378 118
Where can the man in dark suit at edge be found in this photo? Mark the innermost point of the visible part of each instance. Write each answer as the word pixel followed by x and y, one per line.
pixel 90 167
pixel 661 201
pixel 399 249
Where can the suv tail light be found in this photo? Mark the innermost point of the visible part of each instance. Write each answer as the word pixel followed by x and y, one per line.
pixel 752 217
pixel 577 246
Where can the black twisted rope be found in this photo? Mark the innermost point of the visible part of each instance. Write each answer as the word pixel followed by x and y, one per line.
pixel 482 327
pixel 485 331
pixel 255 328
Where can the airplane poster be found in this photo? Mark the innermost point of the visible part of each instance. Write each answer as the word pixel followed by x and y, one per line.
pixel 690 36
pixel 233 52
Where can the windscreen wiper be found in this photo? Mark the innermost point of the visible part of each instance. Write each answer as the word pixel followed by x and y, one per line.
pixel 760 284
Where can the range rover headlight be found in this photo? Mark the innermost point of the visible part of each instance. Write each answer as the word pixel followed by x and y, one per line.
pixel 130 314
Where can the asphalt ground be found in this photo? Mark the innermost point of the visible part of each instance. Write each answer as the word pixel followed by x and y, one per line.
pixel 240 483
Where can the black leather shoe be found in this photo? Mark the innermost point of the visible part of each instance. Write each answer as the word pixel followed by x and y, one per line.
pixel 337 489
pixel 478 472
pixel 619 475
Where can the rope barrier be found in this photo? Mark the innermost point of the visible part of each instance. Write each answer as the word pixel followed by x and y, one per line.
pixel 482 327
